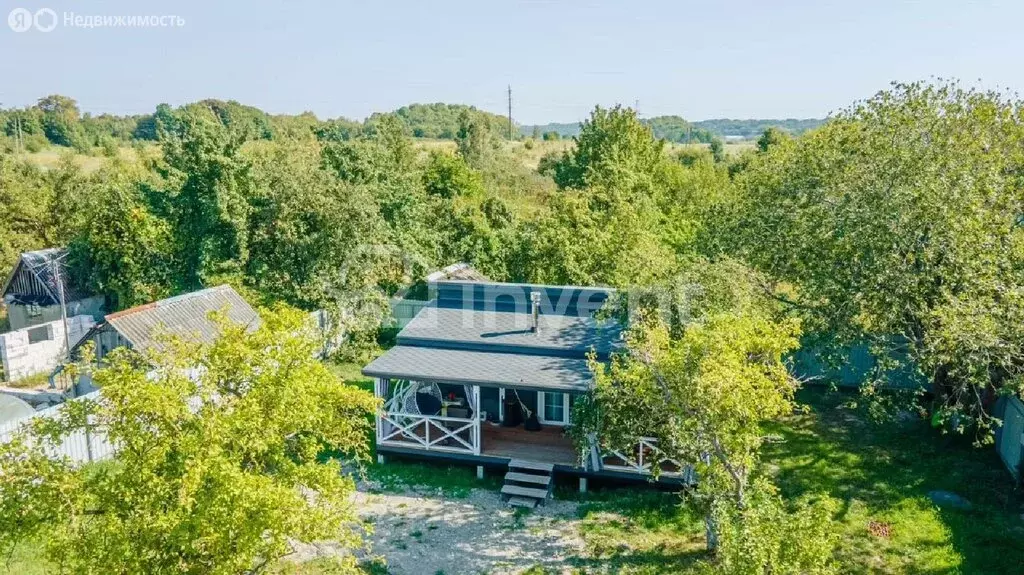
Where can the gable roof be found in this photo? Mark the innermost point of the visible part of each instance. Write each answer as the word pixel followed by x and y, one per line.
pixel 185 316
pixel 481 333
pixel 32 280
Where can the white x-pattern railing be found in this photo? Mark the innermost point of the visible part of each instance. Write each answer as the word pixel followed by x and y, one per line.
pixel 647 457
pixel 430 431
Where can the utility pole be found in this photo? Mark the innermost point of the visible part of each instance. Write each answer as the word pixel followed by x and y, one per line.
pixel 510 112
pixel 63 308
pixel 17 127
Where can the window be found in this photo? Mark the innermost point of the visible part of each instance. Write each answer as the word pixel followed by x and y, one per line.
pixel 553 408
pixel 38 334
pixel 34 310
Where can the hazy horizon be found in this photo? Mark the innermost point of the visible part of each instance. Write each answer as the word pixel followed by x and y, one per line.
pixel 739 60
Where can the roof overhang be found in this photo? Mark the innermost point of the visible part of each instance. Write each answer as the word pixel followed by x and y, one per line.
pixel 489 369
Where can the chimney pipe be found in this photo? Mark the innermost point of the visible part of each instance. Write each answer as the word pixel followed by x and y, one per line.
pixel 535 311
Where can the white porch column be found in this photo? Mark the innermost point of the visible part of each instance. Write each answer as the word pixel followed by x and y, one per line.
pixel 477 439
pixel 380 386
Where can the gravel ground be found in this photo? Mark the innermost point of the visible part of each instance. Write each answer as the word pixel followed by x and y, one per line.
pixel 420 531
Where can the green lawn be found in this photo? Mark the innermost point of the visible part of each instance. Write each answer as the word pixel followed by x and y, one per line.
pixel 880 473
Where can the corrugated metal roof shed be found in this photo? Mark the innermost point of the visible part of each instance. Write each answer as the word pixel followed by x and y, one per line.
pixel 186 316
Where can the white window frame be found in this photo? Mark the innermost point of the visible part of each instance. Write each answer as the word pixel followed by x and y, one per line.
pixel 541 400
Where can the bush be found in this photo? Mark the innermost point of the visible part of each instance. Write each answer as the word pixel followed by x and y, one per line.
pixel 769 536
pixel 35 143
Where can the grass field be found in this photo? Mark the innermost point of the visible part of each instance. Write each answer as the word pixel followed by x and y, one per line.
pixel 531 153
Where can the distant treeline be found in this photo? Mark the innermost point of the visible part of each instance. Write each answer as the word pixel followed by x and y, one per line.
pixel 677 129
pixel 57 120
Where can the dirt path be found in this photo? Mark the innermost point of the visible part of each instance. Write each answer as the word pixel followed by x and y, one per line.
pixel 419 532
pixel 422 532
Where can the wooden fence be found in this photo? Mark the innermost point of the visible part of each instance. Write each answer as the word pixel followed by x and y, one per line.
pixel 79 447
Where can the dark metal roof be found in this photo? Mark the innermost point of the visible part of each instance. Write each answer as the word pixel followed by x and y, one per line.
pixel 480 333
pixel 510 332
pixel 481 368
pixel 186 316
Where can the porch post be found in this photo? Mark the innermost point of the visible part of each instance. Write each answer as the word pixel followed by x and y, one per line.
pixel 477 440
pixel 380 386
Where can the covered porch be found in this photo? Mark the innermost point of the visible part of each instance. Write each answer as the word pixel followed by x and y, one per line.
pixel 473 426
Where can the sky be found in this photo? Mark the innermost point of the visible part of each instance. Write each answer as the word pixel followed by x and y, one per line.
pixel 700 60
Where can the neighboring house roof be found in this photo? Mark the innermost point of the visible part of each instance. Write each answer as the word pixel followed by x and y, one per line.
pixel 458 271
pixel 481 333
pixel 32 280
pixel 186 316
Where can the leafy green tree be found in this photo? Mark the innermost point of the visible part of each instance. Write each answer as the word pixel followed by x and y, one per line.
pixel 447 176
pixel 552 136
pixel 206 200
pixel 769 535
pixel 473 138
pixel 122 249
pixel 717 148
pixel 60 120
pixel 217 469
pixel 613 148
pixel 700 381
pixel 304 223
pixel 26 200
pixel 899 223
pixel 771 136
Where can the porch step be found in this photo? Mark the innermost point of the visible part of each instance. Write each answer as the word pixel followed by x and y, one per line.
pixel 516 490
pixel 531 465
pixel 527 478
pixel 527 483
pixel 527 502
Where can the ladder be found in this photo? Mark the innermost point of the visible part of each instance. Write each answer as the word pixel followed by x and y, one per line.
pixel 527 483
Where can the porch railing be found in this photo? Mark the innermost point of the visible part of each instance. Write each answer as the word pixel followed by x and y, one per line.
pixel 435 432
pixel 644 457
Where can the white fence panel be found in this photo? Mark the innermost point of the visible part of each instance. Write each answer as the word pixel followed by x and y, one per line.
pixel 79 447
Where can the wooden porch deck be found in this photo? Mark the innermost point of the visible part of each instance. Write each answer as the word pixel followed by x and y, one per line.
pixel 549 445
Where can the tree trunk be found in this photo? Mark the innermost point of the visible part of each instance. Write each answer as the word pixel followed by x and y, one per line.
pixel 711 532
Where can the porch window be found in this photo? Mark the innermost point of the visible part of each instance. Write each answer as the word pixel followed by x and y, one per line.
pixel 553 408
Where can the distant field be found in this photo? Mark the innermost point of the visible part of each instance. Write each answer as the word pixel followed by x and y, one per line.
pixel 50 158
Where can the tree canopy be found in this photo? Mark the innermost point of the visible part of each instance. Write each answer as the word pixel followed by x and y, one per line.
pixel 220 459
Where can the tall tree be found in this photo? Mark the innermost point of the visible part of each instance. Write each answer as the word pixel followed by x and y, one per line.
pixel 221 459
pixel 899 223
pixel 613 147
pixel 206 201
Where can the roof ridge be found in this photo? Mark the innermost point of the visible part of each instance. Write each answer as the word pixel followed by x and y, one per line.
pixel 166 301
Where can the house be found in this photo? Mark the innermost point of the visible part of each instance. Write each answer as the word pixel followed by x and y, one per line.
pixel 186 316
pixel 32 294
pixel 36 341
pixel 488 373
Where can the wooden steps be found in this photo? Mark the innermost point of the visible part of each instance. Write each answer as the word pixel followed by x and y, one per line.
pixel 528 478
pixel 527 483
